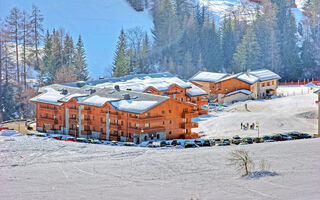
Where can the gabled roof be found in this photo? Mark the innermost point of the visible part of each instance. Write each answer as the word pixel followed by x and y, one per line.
pixel 208 76
pixel 246 92
pixel 195 91
pixel 264 74
pixel 245 77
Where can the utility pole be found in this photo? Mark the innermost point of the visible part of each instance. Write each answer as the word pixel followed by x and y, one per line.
pixel 258 126
pixel 318 102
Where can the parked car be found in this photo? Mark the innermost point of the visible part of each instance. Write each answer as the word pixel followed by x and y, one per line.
pixel 304 135
pixel 94 141
pixel 198 142
pixel 236 140
pixel 163 143
pixel 82 140
pixel 175 142
pixel 30 134
pixel 154 145
pixel 220 144
pixel 131 144
pixel 207 143
pixel 276 138
pixel 41 135
pixel 3 128
pixel 226 141
pixel 217 141
pixel 114 143
pixel 70 139
pixel 248 140
pixel 285 137
pixel 189 144
pixel 295 135
pixel 258 140
pixel 56 137
pixel 267 138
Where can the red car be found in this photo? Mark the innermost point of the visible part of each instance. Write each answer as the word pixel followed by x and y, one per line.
pixel 3 128
pixel 70 139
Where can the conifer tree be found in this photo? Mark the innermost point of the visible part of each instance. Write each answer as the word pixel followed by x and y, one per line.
pixel 68 50
pixel 121 60
pixel 36 33
pixel 81 68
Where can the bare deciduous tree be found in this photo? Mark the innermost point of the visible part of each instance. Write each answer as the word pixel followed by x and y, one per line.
pixel 64 75
pixel 241 160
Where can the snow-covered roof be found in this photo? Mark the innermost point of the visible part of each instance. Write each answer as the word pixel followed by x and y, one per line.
pixel 246 92
pixel 208 76
pixel 246 77
pixel 50 96
pixel 195 91
pixel 133 106
pixel 96 100
pixel 70 96
pixel 264 74
pixel 143 83
pixel 317 92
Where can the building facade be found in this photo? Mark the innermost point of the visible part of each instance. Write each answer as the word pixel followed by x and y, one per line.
pixel 112 114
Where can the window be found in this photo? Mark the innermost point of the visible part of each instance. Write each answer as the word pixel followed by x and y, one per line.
pixel 130 124
pixel 147 114
pixel 158 136
pixel 73 116
pixel 121 122
pixel 170 121
pixel 147 125
pixel 137 116
pixel 185 110
pixel 181 99
pixel 101 120
pixel 46 126
pixel 101 130
pixel 92 117
pixel 262 84
pixel 169 111
pixel 272 82
pixel 137 125
pixel 121 133
pixel 116 122
pixel 54 117
pixel 163 123
pixel 145 138
pixel 268 83
pixel 169 132
pixel 162 112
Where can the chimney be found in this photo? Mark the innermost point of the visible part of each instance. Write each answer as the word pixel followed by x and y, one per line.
pixel 117 87
pixel 92 91
pixel 64 92
pixel 126 96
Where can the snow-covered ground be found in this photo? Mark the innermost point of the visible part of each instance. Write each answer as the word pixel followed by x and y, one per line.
pixel 41 168
pixel 291 113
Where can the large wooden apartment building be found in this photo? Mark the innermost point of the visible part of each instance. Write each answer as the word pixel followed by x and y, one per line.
pixel 112 114
pixel 227 88
pixel 164 84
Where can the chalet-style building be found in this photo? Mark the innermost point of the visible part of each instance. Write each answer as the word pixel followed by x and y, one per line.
pixel 164 84
pixel 318 102
pixel 226 88
pixel 112 114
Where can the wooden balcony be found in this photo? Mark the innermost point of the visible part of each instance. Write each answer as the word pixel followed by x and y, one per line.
pixel 73 120
pixel 49 120
pixel 147 119
pixel 87 112
pixel 147 130
pixel 86 122
pixel 189 125
pixel 190 115
pixel 86 132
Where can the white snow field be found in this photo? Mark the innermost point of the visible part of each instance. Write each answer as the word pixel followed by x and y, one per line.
pixel 285 114
pixel 40 168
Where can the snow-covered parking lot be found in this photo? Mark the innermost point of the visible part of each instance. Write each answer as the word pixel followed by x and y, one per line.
pixel 42 168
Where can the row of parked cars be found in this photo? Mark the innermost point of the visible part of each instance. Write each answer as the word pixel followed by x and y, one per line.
pixel 236 140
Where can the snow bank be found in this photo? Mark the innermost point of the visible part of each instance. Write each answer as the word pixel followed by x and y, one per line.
pixel 9 133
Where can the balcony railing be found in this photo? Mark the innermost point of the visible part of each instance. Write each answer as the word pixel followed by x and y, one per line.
pixel 190 115
pixel 147 119
pixel 147 130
